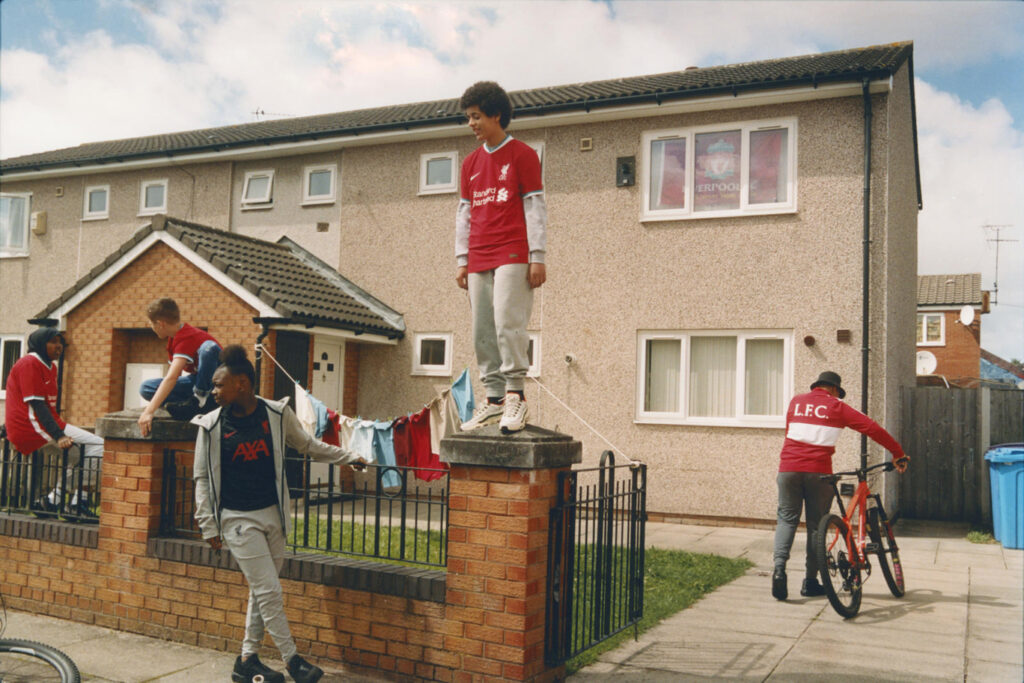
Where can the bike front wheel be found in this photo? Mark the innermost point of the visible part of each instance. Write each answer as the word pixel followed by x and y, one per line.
pixel 881 535
pixel 22 661
pixel 840 574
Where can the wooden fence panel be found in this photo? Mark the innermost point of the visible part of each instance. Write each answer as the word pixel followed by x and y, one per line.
pixel 943 433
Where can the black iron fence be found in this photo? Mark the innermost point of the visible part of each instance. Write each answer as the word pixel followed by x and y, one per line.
pixel 50 483
pixel 595 583
pixel 386 513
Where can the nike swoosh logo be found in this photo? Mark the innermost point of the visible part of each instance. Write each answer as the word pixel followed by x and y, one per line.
pixel 473 177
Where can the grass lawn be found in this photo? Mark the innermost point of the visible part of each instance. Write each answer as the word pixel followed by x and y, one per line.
pixel 354 540
pixel 673 580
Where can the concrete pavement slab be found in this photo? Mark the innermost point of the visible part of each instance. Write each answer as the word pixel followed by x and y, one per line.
pixel 869 658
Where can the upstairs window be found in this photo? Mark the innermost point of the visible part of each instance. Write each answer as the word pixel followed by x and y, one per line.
pixel 722 378
pixel 931 329
pixel 14 219
pixel 258 189
pixel 97 203
pixel 153 197
pixel 319 185
pixel 733 170
pixel 437 173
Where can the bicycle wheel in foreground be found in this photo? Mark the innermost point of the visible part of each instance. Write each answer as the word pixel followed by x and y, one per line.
pixel 839 575
pixel 888 554
pixel 22 661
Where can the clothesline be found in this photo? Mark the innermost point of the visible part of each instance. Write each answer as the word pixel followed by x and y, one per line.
pixel 632 463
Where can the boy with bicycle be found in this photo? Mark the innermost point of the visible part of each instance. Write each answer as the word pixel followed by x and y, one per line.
pixel 814 422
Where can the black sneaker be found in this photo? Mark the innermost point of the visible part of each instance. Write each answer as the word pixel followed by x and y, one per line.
pixel 44 509
pixel 302 671
pixel 183 410
pixel 811 589
pixel 779 589
pixel 245 671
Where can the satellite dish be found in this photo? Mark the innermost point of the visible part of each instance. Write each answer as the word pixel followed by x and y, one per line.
pixel 926 362
pixel 966 316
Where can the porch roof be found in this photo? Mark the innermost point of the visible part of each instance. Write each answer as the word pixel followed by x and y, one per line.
pixel 286 279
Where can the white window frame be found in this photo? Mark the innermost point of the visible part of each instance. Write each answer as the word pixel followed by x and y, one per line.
pixel 439 188
pixel 8 251
pixel 922 325
pixel 444 370
pixel 745 208
pixel 152 210
pixel 6 339
pixel 534 369
pixel 682 417
pixel 310 199
pixel 96 215
pixel 263 201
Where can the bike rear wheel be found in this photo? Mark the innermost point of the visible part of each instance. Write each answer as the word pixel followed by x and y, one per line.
pixel 881 535
pixel 24 661
pixel 840 576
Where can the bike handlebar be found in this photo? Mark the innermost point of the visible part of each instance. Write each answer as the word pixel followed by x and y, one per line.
pixel 887 466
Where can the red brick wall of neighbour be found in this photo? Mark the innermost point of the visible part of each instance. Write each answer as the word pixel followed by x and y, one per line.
pixel 483 620
pixel 959 360
pixel 101 328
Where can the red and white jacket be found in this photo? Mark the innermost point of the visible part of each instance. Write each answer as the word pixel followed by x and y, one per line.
pixel 814 422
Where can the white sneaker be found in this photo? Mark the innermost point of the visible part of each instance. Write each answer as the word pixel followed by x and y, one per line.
pixel 513 418
pixel 486 413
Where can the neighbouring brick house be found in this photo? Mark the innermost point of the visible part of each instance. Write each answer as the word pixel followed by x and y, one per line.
pixel 242 290
pixel 948 336
pixel 705 251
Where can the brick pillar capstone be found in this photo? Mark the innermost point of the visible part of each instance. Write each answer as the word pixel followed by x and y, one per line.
pixel 501 488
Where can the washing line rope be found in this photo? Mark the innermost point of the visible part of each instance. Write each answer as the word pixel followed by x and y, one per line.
pixel 632 463
pixel 260 348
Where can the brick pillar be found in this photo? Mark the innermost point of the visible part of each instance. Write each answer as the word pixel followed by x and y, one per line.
pixel 131 479
pixel 500 491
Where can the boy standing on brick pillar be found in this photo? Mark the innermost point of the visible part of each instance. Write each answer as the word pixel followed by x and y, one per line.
pixel 189 350
pixel 500 241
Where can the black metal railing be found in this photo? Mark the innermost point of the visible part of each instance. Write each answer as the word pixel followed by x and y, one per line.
pixel 50 483
pixel 385 514
pixel 595 557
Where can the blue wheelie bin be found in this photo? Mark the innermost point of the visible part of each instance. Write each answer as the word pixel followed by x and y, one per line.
pixel 1006 470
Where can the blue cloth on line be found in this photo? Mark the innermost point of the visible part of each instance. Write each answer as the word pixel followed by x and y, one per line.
pixel 321 414
pixel 384 454
pixel 462 392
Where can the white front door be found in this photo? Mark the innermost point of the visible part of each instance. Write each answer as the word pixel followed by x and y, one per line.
pixel 328 371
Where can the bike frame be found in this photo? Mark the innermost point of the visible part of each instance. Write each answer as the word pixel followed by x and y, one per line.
pixel 858 511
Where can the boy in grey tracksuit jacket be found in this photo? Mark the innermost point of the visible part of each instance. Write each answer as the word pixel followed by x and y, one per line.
pixel 256 538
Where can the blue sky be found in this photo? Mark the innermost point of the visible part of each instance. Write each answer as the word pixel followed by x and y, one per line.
pixel 74 71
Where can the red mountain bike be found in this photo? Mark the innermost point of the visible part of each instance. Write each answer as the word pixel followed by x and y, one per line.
pixel 843 544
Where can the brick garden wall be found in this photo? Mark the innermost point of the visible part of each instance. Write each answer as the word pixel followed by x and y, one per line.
pixel 483 619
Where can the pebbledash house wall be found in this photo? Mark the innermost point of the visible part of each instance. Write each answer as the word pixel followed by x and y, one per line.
pixel 611 275
pixel 482 619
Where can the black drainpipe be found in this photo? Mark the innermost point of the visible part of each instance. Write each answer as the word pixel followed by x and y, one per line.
pixel 865 348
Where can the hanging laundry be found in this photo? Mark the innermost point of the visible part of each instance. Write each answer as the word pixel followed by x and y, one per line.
pixel 384 455
pixel 346 427
pixel 402 439
pixel 332 433
pixel 421 456
pixel 362 439
pixel 304 410
pixel 444 419
pixel 462 392
pixel 320 410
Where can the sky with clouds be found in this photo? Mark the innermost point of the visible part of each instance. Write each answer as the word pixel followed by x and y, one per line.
pixel 74 71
